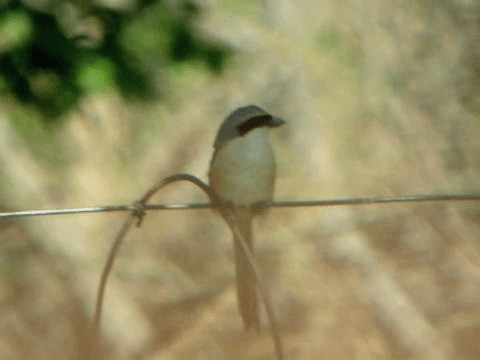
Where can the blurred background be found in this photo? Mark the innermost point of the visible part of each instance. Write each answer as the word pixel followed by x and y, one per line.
pixel 99 99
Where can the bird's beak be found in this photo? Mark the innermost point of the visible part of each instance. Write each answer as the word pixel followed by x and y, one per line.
pixel 276 121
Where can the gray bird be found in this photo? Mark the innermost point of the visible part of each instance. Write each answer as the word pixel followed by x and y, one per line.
pixel 242 173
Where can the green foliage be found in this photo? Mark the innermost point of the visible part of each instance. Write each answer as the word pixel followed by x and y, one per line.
pixel 95 73
pixel 16 30
pixel 51 58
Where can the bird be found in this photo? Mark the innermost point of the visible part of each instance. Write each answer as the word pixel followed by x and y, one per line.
pixel 242 174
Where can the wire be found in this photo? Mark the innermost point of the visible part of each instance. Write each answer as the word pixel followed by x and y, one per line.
pixel 277 204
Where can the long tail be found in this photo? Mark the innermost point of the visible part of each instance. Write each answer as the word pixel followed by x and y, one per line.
pixel 246 283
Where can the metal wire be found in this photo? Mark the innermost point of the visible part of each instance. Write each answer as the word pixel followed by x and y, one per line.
pixel 277 204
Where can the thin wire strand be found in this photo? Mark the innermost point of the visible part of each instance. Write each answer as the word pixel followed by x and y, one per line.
pixel 277 204
pixel 138 211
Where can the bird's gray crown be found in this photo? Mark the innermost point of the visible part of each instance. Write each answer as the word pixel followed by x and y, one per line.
pixel 242 120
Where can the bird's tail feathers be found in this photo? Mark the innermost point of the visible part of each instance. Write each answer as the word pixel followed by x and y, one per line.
pixel 246 282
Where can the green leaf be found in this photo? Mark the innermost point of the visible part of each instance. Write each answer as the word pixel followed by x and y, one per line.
pixel 95 74
pixel 16 30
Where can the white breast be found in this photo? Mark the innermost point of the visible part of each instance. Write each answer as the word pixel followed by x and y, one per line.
pixel 243 170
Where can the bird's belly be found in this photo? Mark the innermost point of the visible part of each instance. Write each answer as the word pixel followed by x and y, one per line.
pixel 244 172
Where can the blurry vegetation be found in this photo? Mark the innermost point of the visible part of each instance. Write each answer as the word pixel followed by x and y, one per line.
pixel 54 52
pixel 382 98
pixel 346 47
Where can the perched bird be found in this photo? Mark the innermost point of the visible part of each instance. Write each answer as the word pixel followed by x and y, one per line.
pixel 242 173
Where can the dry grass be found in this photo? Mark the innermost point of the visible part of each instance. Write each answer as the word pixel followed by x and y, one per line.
pixel 380 98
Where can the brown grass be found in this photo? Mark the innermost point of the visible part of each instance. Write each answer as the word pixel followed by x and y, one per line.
pixel 381 98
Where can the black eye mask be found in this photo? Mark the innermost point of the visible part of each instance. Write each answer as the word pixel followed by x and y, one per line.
pixel 253 123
